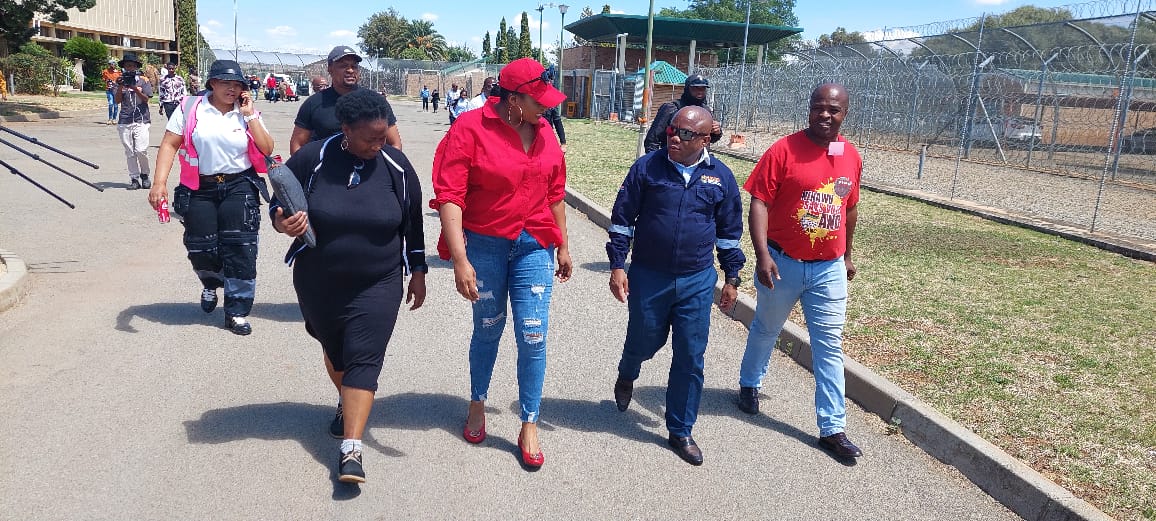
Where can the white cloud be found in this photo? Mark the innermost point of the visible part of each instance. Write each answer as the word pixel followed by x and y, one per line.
pixel 476 39
pixel 342 33
pixel 281 31
pixel 617 11
pixel 889 34
pixel 213 23
pixel 429 17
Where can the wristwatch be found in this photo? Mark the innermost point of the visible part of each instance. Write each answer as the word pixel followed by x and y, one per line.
pixel 734 281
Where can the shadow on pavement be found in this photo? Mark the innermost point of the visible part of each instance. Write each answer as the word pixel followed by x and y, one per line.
pixel 598 267
pixel 189 313
pixel 110 184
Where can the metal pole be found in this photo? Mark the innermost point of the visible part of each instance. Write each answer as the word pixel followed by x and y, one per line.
pixel 965 134
pixel 236 48
pixel 561 45
pixel 743 67
pixel 1039 113
pixel 646 80
pixel 915 103
pixel 1124 112
pixel 1117 122
pixel 34 183
pixel 541 51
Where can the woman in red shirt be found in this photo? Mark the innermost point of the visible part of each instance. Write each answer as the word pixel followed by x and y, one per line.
pixel 499 183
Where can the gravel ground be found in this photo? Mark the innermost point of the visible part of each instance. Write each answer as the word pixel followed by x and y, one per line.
pixel 1125 210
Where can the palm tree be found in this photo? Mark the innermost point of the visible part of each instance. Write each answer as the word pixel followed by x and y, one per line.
pixel 421 35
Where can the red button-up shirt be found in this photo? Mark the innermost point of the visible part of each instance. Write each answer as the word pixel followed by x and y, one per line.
pixel 480 166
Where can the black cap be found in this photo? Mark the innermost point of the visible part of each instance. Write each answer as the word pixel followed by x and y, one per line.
pixel 227 70
pixel 696 80
pixel 342 51
pixel 129 57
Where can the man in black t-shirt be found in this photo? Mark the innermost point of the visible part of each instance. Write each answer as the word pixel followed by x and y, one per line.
pixel 317 118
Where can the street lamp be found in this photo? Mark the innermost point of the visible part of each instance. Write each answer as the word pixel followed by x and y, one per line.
pixel 561 46
pixel 541 52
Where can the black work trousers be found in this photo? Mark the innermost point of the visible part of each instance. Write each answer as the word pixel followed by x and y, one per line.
pixel 221 224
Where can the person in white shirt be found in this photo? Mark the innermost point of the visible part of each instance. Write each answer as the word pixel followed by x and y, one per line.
pixel 477 101
pixel 219 193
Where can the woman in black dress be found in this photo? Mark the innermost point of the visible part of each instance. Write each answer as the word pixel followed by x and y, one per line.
pixel 365 208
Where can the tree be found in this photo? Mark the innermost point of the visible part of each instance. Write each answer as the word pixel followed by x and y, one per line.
pixel 384 35
pixel 501 45
pixel 94 54
pixel 16 18
pixel 460 53
pixel 773 12
pixel 525 46
pixel 512 45
pixel 840 36
pixel 1025 15
pixel 605 9
pixel 586 12
pixel 421 35
pixel 486 49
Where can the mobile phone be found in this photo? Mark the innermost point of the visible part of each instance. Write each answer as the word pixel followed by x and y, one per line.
pixel 244 99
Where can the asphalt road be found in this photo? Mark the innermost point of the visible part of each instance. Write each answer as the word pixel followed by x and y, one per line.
pixel 120 399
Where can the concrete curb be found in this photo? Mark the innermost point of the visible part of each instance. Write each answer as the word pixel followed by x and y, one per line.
pixel 14 282
pixel 1006 479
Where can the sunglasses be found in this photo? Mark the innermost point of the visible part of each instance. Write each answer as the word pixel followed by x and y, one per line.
pixel 683 134
pixel 355 175
pixel 546 77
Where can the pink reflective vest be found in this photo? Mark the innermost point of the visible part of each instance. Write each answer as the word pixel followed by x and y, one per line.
pixel 187 155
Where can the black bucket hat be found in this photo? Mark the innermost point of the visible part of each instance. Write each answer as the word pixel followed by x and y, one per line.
pixel 129 57
pixel 227 70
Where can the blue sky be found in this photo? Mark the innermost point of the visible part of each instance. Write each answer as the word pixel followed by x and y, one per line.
pixel 313 26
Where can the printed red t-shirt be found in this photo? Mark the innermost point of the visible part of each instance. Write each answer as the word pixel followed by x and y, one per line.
pixel 808 192
pixel 481 167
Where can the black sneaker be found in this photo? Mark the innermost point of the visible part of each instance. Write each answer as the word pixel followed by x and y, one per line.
pixel 135 185
pixel 349 468
pixel 208 300
pixel 144 181
pixel 337 426
pixel 749 400
pixel 238 325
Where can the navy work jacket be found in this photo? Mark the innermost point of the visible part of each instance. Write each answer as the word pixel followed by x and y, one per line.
pixel 675 225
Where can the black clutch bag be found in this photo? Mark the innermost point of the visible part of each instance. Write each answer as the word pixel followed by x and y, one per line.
pixel 292 197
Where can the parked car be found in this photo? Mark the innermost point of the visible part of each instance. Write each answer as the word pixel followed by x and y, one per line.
pixel 1142 141
pixel 1014 132
pixel 303 87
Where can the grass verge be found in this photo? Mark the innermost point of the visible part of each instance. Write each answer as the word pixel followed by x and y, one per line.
pixel 26 104
pixel 1043 346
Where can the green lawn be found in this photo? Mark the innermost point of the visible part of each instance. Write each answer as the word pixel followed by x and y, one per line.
pixel 1043 346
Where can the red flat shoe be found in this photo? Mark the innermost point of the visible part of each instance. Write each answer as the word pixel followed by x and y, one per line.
pixel 474 437
pixel 531 460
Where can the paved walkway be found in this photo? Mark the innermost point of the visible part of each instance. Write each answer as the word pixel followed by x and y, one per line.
pixel 122 400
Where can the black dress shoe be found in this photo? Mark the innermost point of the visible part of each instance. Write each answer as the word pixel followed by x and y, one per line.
pixel 623 392
pixel 238 325
pixel 686 449
pixel 840 445
pixel 749 400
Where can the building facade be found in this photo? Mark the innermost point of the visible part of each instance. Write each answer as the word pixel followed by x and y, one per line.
pixel 145 27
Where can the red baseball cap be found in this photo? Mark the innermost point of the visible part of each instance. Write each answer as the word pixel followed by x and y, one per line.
pixel 527 76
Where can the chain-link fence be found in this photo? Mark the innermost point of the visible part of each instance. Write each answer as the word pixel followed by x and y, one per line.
pixel 1054 120
pixel 990 114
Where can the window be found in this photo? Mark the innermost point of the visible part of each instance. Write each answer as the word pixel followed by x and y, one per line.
pixel 63 34
pixel 135 42
pixel 109 39
pixel 90 36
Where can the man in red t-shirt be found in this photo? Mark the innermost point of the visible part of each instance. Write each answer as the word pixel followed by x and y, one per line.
pixel 804 193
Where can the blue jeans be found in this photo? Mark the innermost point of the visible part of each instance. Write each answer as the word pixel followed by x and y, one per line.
pixel 659 303
pixel 113 106
pixel 821 288
pixel 522 272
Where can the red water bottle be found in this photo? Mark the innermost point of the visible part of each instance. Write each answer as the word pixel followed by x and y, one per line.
pixel 163 211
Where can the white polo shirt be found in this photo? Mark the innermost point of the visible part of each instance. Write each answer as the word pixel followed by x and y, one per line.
pixel 220 139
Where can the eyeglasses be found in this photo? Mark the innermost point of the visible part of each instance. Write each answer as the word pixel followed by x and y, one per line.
pixel 546 77
pixel 684 134
pixel 355 175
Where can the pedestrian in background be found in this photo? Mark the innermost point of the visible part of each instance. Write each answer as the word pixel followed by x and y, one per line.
pixel 222 143
pixel 110 74
pixel 424 98
pixel 677 206
pixel 499 183
pixel 172 90
pixel 555 119
pixel 317 118
pixel 435 97
pixel 804 197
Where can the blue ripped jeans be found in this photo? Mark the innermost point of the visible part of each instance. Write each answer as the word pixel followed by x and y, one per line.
pixel 522 272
